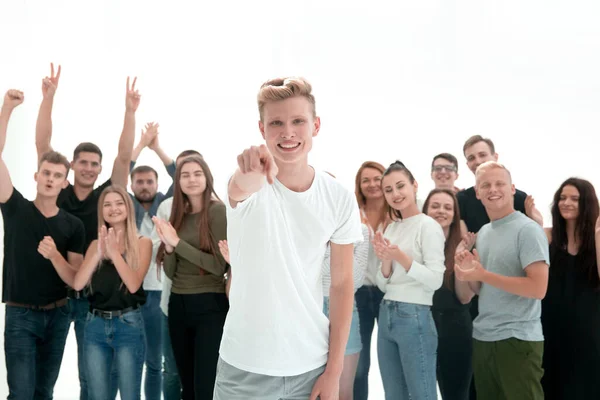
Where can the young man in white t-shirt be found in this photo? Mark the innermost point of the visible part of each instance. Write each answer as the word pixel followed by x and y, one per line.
pixel 281 213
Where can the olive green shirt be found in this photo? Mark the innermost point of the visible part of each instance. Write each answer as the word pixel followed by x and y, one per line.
pixel 191 269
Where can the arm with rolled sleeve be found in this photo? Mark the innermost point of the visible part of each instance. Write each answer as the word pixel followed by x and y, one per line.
pixel 431 272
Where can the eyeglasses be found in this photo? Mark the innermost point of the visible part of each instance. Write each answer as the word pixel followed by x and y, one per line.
pixel 440 168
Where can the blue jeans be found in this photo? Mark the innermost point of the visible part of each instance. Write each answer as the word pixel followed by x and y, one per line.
pixel 171 383
pixel 34 343
pixel 119 341
pixel 407 348
pixel 79 309
pixel 154 349
pixel 367 299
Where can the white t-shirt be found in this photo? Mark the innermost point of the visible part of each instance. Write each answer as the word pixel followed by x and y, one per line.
pixel 163 212
pixel 359 268
pixel 421 238
pixel 147 229
pixel 277 240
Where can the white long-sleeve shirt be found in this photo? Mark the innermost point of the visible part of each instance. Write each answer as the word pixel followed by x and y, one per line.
pixel 359 268
pixel 422 239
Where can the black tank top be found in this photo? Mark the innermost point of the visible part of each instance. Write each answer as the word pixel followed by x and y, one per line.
pixel 109 293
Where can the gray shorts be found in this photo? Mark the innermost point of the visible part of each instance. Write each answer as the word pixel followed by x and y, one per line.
pixel 235 384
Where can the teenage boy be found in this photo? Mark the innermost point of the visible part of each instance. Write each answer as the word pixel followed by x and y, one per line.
pixel 281 213
pixel 509 271
pixel 81 199
pixel 43 245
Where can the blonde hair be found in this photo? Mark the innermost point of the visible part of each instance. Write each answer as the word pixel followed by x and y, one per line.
pixel 132 253
pixel 488 166
pixel 284 88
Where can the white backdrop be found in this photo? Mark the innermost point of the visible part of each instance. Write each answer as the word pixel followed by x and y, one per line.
pixel 396 80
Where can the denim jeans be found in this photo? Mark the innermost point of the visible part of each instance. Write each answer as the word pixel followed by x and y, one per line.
pixel 154 348
pixel 407 346
pixel 119 341
pixel 171 383
pixel 34 343
pixel 367 299
pixel 79 309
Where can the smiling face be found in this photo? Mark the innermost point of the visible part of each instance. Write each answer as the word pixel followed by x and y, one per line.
pixel 86 168
pixel 441 208
pixel 399 191
pixel 495 190
pixel 479 153
pixel 288 127
pixel 370 184
pixel 114 209
pixel 444 173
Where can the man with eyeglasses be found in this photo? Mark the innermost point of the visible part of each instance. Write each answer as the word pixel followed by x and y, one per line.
pixel 444 172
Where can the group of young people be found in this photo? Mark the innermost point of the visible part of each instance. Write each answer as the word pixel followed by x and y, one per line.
pixel 274 291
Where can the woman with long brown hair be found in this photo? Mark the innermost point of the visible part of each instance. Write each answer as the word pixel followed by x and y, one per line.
pixel 373 209
pixel 192 260
pixel 571 308
pixel 452 317
pixel 114 267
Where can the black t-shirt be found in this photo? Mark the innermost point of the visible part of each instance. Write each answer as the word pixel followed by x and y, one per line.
pixel 445 299
pixel 28 277
pixel 473 212
pixel 109 293
pixel 86 210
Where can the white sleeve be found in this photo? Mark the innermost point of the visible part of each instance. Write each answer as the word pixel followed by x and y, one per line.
pixel 349 226
pixel 431 272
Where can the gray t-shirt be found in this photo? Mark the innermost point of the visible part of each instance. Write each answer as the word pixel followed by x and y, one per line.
pixel 506 247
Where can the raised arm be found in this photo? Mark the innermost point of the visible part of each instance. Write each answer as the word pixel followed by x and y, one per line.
pixel 148 134
pixel 12 99
pixel 120 172
pixel 254 165
pixel 43 127
pixel 154 145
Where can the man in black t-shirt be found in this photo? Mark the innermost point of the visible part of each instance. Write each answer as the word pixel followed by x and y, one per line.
pixel 478 150
pixel 81 199
pixel 43 245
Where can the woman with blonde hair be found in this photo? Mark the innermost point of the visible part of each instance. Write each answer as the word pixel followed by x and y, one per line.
pixel 114 268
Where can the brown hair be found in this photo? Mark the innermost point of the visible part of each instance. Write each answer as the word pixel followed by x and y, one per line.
pixel 86 147
pixel 360 197
pixel 476 139
pixel 284 88
pixel 54 157
pixel 454 236
pixel 446 156
pixel 181 206
pixel 143 169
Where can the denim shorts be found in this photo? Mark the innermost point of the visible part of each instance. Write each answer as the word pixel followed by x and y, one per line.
pixel 354 341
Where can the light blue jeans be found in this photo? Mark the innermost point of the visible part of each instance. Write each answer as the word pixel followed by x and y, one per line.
pixel 121 341
pixel 407 351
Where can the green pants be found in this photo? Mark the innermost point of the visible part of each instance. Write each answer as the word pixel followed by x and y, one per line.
pixel 508 369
